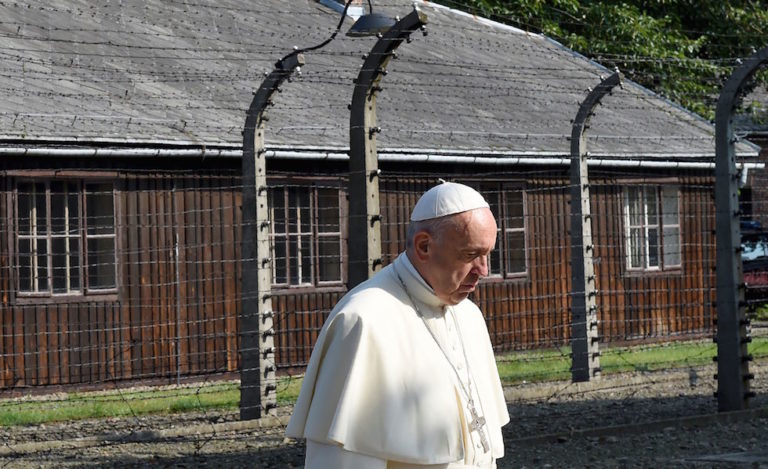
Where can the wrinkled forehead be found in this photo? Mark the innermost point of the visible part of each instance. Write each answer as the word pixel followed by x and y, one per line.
pixel 475 225
pixel 478 219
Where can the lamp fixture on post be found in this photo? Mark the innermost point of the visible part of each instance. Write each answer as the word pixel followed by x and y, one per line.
pixel 371 24
pixel 364 248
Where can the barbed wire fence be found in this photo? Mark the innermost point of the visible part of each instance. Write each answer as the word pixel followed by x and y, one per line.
pixel 144 311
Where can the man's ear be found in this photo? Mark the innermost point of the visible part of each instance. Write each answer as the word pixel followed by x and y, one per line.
pixel 421 244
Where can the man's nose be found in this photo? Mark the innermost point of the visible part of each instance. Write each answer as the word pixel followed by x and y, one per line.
pixel 480 266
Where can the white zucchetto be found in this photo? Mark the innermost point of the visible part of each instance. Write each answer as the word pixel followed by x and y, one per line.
pixel 445 199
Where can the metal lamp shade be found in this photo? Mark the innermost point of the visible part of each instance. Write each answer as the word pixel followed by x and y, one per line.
pixel 371 25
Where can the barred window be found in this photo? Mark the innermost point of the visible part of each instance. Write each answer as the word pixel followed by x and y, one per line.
pixel 652 227
pixel 507 203
pixel 306 237
pixel 65 238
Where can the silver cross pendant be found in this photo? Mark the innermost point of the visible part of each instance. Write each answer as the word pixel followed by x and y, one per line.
pixel 477 424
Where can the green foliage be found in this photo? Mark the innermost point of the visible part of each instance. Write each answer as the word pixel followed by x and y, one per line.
pixel 682 49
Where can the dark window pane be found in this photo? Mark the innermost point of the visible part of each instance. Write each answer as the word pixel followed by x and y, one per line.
pixel 25 265
pixel 58 208
pixel 635 206
pixel 495 257
pixel 305 247
pixel 329 258
pixel 651 206
pixel 40 209
pixel 292 212
pixel 492 197
pixel 515 210
pixel 277 203
pixel 74 264
pixel 515 252
pixel 328 210
pixel 42 265
pixel 305 219
pixel 293 260
pixel 653 248
pixel 636 248
pixel 73 208
pixel 24 211
pixel 101 208
pixel 101 263
pixel 280 266
pixel 59 265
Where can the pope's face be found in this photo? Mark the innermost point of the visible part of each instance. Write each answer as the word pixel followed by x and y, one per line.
pixel 456 259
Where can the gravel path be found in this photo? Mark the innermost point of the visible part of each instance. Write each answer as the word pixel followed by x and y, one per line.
pixel 664 419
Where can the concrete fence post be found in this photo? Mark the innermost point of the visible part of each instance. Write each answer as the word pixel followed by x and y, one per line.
pixel 585 351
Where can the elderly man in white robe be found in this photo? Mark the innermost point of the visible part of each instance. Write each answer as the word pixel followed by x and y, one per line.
pixel 403 375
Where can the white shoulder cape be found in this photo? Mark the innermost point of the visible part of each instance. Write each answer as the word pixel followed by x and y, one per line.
pixel 377 383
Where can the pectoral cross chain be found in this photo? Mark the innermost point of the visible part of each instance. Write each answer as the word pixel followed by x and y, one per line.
pixel 477 424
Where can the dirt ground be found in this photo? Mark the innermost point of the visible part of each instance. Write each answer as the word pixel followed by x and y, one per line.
pixel 663 419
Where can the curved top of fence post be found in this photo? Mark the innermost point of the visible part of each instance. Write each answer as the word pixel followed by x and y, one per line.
pixel 732 367
pixel 255 317
pixel 585 361
pixel 383 51
pixel 283 69
pixel 588 105
pixel 727 100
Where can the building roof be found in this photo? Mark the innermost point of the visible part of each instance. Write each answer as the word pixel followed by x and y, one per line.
pixel 753 120
pixel 160 73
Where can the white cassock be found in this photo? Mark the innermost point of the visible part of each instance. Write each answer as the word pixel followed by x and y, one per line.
pixel 380 393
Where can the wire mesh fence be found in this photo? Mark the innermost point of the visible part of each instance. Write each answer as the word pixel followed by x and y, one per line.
pixel 167 341
pixel 121 280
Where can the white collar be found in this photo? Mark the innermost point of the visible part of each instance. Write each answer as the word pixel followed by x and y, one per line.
pixel 418 288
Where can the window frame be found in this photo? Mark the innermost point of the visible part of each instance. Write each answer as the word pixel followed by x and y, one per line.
pixel 314 186
pixel 85 292
pixel 660 226
pixel 503 231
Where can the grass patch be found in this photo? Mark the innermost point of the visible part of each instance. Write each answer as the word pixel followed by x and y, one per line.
pixel 514 368
pixel 660 357
pixel 76 406
pixel 105 404
pixel 760 312
pixel 288 390
pixel 555 364
pixel 533 366
pixel 758 348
